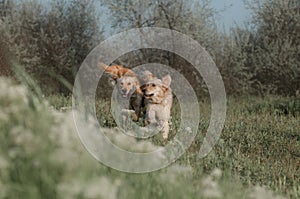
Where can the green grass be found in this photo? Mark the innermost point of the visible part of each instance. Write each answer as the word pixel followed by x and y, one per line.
pixel 42 157
pixel 260 146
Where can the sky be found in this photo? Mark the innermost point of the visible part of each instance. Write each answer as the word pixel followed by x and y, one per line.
pixel 231 12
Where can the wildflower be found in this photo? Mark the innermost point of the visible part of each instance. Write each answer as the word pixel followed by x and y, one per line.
pixel 176 171
pixel 188 130
pixel 93 189
pixel 3 163
pixel 3 188
pixel 25 139
pixel 263 193
pixel 216 173
pixel 211 188
pixel 102 188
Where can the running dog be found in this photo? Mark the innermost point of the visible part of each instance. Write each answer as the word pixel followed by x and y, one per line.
pixel 159 98
pixel 128 86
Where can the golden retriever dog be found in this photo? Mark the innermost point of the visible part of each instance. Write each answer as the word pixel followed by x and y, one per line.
pixel 159 98
pixel 128 86
pixel 115 71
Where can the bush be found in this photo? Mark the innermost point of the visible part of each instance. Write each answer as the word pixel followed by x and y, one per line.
pixel 270 60
pixel 51 41
pixel 26 127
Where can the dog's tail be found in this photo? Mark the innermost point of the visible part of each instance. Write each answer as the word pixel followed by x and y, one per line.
pixel 103 66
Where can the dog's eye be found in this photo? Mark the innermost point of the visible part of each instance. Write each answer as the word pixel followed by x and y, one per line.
pixel 122 83
pixel 129 84
pixel 153 85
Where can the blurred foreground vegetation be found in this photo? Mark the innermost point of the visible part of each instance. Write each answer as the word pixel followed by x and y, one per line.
pixel 258 155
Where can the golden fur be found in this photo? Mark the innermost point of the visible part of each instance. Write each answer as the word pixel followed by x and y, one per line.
pixel 159 103
pixel 116 71
pixel 128 86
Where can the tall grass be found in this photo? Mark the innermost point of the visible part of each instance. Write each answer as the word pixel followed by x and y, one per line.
pixel 259 146
pixel 41 156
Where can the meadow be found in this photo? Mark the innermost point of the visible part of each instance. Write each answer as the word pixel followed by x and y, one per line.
pixel 42 47
pixel 257 156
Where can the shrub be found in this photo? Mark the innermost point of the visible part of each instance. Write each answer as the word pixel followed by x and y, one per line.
pixel 51 41
pixel 273 59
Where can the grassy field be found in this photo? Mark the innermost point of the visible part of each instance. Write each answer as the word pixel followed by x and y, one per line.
pixel 257 156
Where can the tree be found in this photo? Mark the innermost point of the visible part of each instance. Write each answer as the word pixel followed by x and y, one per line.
pixel 274 61
pixel 52 41
pixel 5 8
pixel 194 18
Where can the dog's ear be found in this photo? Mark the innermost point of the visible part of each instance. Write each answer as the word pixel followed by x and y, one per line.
pixel 112 81
pixel 166 80
pixel 126 72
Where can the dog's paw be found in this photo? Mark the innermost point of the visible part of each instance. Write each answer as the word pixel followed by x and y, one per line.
pixel 135 117
pixel 165 136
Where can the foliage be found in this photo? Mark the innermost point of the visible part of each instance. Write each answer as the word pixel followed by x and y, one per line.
pixel 195 19
pixel 51 41
pixel 189 17
pixel 270 50
pixel 26 170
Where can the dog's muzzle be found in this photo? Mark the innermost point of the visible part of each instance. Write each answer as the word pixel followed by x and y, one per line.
pixel 148 95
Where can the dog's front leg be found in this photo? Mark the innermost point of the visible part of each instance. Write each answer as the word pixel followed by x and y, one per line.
pixel 150 117
pixel 136 114
pixel 126 115
pixel 164 126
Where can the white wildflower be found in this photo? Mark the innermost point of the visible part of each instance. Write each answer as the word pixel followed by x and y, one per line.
pixel 259 192
pixel 216 173
pixel 181 170
pixel 126 142
pixel 145 147
pixel 93 189
pixel 4 164
pixel 13 152
pixel 64 130
pixel 64 109
pixel 64 134
pixel 3 116
pixel 211 188
pixel 13 94
pixel 121 140
pixel 70 190
pixel 29 142
pixel 102 188
pixel 188 130
pixel 24 138
pixel 3 192
pixel 175 171
pixel 16 130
